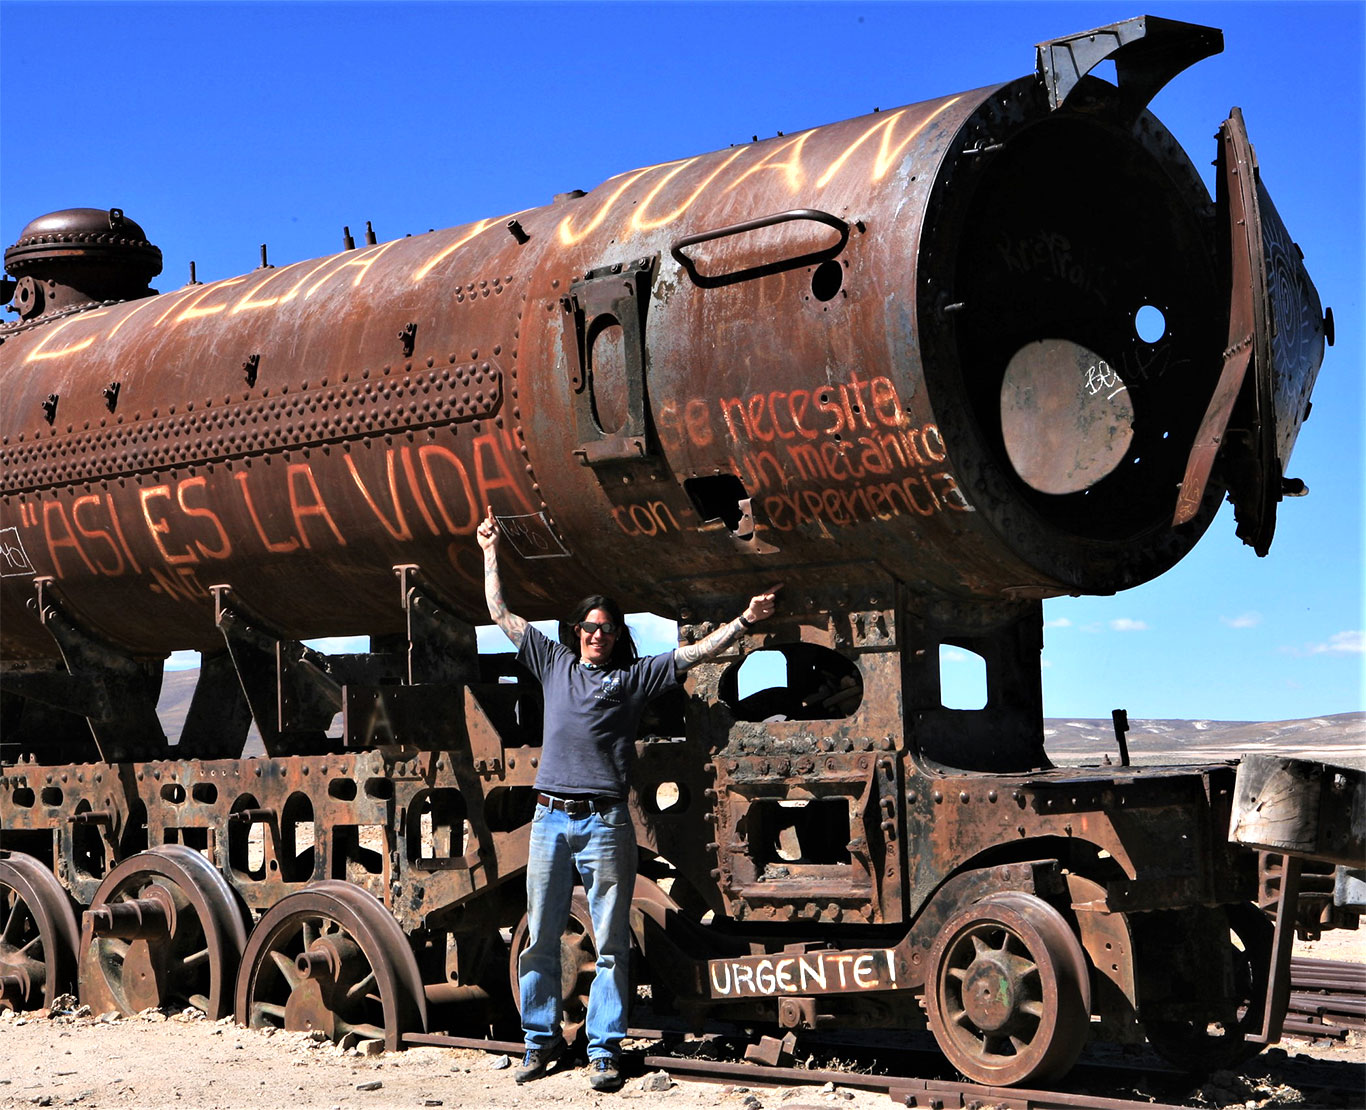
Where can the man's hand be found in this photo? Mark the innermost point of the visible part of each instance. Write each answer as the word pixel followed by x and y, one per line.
pixel 488 531
pixel 761 606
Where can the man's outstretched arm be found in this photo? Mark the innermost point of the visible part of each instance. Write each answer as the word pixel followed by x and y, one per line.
pixel 760 608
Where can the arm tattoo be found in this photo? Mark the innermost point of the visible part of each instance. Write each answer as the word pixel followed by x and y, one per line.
pixel 705 648
pixel 513 626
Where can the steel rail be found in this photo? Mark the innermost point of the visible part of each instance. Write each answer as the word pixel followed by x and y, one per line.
pixel 931 1094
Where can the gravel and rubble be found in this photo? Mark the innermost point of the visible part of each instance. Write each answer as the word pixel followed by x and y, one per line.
pixel 70 1057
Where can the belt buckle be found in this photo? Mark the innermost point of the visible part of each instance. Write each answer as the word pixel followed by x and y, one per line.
pixel 577 807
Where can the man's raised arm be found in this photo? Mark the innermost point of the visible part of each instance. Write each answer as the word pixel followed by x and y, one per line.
pixel 513 626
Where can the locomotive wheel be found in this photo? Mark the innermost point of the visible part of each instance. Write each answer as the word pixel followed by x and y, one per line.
pixel 1009 1000
pixel 1219 1039
pixel 578 964
pixel 38 935
pixel 331 957
pixel 165 931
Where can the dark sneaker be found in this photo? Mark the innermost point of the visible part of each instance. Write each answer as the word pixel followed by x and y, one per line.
pixel 538 1061
pixel 604 1075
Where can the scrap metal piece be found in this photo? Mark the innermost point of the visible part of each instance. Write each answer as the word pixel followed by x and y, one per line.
pixel 772 1051
pixel 1300 807
pixel 1147 51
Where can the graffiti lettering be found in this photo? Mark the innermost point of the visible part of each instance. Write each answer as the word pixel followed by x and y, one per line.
pixel 192 311
pixel 159 523
pixel 60 536
pixel 887 154
pixel 277 546
pixel 791 167
pixel 203 512
pixel 694 426
pixel 160 526
pixel 846 406
pixel 645 520
pixel 179 583
pixel 918 495
pixel 45 348
pixel 14 559
pixel 399 528
pixel 762 470
pixel 638 221
pixel 431 454
pixel 1102 378
pixel 1051 254
pixel 874 153
pixel 806 973
pixel 491 472
pixel 301 483
pixel 91 531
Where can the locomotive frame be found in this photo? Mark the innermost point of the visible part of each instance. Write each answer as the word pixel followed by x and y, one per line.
pixel 846 851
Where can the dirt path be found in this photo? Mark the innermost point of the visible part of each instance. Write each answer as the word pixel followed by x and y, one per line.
pixel 186 1063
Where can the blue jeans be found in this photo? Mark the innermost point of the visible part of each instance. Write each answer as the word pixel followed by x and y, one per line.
pixel 602 848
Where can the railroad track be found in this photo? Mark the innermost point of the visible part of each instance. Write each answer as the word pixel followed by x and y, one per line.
pixel 904 1090
pixel 1327 998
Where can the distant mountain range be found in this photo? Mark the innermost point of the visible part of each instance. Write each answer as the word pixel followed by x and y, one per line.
pixel 1340 738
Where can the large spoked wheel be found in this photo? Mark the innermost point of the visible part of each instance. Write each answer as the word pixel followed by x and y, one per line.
pixel 331 958
pixel 1215 1036
pixel 578 964
pixel 38 935
pixel 166 931
pixel 1009 998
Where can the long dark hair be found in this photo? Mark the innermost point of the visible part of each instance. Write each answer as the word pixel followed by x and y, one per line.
pixel 623 651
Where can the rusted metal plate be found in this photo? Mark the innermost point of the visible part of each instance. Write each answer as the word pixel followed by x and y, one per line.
pixel 1301 807
pixel 1276 328
pixel 1066 417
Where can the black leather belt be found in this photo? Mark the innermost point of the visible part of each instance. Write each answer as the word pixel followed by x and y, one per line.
pixel 576 807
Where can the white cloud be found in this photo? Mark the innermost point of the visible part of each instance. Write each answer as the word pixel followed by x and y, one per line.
pixel 1061 622
pixel 1243 620
pixel 949 656
pixel 1128 624
pixel 1351 642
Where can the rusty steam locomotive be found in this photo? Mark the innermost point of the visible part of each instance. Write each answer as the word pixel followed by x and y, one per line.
pixel 892 362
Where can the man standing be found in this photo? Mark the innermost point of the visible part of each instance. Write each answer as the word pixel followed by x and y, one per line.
pixel 596 688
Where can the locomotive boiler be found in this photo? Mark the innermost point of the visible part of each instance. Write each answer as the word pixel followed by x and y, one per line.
pixel 903 363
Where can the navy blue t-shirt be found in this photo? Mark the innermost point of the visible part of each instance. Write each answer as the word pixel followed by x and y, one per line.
pixel 592 715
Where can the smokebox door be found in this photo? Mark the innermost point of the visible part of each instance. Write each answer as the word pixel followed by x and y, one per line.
pixel 1274 349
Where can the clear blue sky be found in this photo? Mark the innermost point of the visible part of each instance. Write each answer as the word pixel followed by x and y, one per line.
pixel 221 126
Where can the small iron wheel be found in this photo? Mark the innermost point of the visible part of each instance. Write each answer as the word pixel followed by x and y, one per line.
pixel 578 965
pixel 1216 1037
pixel 1009 997
pixel 165 931
pixel 38 935
pixel 330 957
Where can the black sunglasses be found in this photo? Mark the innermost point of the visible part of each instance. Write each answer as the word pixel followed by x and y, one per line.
pixel 607 628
